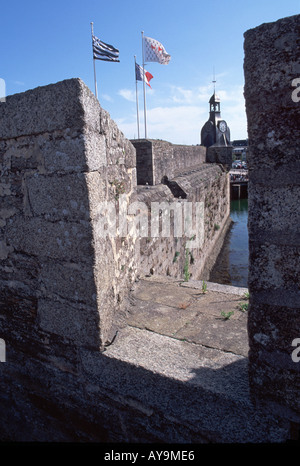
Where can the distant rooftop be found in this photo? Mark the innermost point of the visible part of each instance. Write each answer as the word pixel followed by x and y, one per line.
pixel 240 143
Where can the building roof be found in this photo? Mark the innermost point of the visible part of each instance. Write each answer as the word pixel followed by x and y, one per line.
pixel 214 98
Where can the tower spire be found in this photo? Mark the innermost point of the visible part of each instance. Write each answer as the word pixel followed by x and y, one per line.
pixel 214 80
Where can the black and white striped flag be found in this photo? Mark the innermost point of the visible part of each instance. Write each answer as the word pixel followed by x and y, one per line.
pixel 102 51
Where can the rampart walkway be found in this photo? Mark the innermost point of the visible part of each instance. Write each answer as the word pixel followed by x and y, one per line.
pixel 181 310
pixel 188 364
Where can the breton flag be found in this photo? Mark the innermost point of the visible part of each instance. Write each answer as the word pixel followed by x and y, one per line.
pixel 141 75
pixel 102 51
pixel 155 51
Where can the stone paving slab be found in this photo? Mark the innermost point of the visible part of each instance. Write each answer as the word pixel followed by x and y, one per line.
pixel 193 393
pixel 159 318
pixel 184 367
pixel 181 310
pixel 215 332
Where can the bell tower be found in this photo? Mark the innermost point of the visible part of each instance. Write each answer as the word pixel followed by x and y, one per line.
pixel 214 108
pixel 215 131
pixel 215 135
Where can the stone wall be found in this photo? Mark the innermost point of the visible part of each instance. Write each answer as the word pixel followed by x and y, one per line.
pixel 220 154
pixel 272 58
pixel 178 174
pixel 171 255
pixel 65 271
pixel 61 158
pixel 63 282
pixel 157 159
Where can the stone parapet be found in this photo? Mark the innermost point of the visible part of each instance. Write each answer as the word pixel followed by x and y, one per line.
pixel 158 159
pixel 271 67
pixel 67 265
pixel 220 154
pixel 206 185
pixel 62 158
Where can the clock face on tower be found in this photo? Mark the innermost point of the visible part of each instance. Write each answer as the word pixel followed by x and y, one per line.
pixel 222 126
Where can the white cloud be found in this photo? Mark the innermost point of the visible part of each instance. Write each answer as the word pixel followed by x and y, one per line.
pixel 127 94
pixel 179 124
pixel 130 95
pixel 180 113
pixel 233 111
pixel 190 96
pixel 107 97
pixel 180 95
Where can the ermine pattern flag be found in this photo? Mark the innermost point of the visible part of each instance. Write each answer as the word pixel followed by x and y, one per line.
pixel 141 75
pixel 155 51
pixel 103 51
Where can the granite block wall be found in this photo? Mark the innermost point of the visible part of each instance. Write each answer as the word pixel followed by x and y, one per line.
pixel 205 187
pixel 157 159
pixel 178 174
pixel 67 174
pixel 272 70
pixel 62 282
pixel 220 154
pixel 62 157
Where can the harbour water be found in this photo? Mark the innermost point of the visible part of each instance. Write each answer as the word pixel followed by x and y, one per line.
pixel 231 267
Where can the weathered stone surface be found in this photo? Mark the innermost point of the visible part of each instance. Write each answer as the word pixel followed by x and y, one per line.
pixel 68 280
pixel 64 288
pixel 57 197
pixel 275 213
pixel 171 255
pixel 57 240
pixel 61 151
pixel 50 110
pixel 74 321
pixel 60 159
pixel 184 312
pixel 157 159
pixel 203 389
pixel 220 154
pixel 271 65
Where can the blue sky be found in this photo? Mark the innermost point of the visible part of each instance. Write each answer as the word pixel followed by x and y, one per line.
pixel 43 42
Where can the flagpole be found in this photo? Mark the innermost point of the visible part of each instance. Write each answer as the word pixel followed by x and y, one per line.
pixel 145 117
pixel 137 100
pixel 95 79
